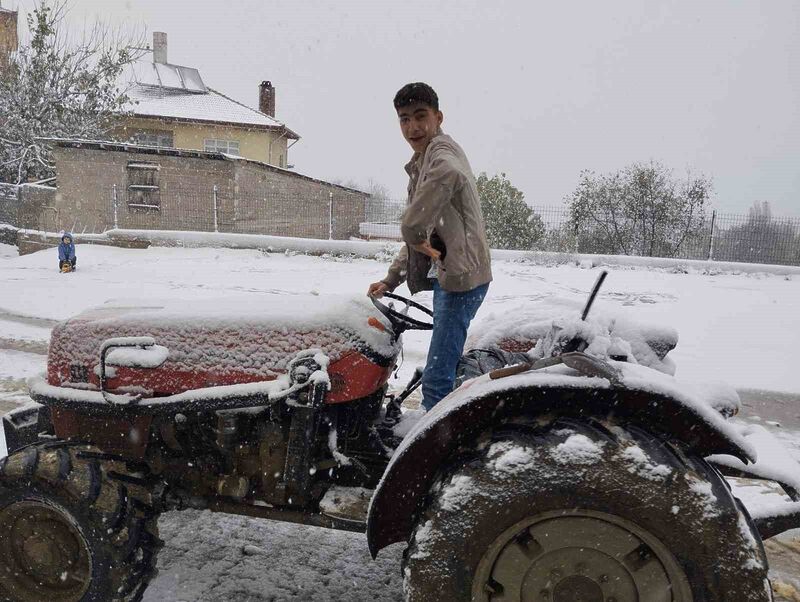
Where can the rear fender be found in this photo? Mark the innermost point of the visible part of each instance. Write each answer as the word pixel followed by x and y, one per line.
pixel 410 474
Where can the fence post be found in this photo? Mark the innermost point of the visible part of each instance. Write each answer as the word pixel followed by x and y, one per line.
pixel 711 236
pixel 216 222
pixel 330 215
pixel 114 200
pixel 575 246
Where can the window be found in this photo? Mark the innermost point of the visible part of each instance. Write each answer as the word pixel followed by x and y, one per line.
pixel 217 145
pixel 162 138
pixel 144 193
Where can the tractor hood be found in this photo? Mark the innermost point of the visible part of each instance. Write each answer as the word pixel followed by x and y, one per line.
pixel 215 342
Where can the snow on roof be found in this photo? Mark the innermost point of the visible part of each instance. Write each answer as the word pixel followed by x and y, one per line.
pixel 155 101
pixel 176 92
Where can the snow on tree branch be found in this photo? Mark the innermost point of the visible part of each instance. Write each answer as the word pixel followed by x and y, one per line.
pixel 56 87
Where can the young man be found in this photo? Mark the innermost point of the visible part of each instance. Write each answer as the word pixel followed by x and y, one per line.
pixel 446 248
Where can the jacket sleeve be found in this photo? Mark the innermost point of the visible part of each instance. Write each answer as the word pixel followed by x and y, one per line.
pixel 398 270
pixel 62 256
pixel 433 193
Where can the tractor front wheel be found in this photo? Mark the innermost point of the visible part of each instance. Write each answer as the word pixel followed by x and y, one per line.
pixel 75 526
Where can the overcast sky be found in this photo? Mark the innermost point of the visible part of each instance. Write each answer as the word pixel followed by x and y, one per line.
pixel 538 90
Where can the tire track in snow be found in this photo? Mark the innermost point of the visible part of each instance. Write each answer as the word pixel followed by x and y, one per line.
pixel 10 316
pixel 37 347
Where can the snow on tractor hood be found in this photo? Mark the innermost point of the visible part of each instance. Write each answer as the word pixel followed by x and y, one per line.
pixel 255 336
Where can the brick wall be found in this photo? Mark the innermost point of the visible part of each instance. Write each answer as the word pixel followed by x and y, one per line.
pixel 277 202
pixel 87 177
pixel 9 205
pixel 37 208
pixel 28 206
pixel 252 198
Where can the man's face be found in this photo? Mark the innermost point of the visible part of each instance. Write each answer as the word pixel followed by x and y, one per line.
pixel 67 239
pixel 419 123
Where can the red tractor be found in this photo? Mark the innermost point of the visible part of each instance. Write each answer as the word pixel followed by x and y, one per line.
pixel 567 477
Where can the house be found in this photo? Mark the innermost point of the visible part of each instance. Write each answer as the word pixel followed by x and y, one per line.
pixel 8 35
pixel 186 157
pixel 171 107
pixel 103 185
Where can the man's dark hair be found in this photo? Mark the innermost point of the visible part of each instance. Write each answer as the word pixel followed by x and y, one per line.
pixel 416 92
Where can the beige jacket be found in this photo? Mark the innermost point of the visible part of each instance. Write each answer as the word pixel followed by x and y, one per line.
pixel 443 207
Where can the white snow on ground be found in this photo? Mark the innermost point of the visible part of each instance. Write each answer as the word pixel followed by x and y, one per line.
pixel 733 328
pixel 18 365
pixel 773 461
pixel 727 323
pixel 21 331
pixel 8 251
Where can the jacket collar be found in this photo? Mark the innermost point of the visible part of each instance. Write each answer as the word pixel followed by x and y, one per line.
pixel 417 158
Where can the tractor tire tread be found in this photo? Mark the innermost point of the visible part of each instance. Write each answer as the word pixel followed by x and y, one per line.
pixel 124 517
pixel 613 440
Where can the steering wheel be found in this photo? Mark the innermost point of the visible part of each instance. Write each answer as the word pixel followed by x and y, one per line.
pixel 400 321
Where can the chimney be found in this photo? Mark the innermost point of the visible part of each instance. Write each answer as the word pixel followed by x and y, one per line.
pixel 266 98
pixel 159 47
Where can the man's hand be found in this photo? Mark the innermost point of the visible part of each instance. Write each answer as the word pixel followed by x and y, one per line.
pixel 376 289
pixel 426 249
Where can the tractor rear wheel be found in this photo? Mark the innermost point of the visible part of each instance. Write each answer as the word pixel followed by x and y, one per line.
pixel 584 513
pixel 75 526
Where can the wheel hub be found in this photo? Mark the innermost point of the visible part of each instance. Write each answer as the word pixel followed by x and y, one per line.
pixel 43 554
pixel 577 588
pixel 583 556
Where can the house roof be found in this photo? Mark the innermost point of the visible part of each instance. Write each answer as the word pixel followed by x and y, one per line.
pixel 173 92
pixel 180 152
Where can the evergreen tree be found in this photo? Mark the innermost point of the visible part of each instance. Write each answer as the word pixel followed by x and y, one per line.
pixel 510 222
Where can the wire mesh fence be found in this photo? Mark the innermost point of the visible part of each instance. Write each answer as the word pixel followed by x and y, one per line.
pixel 327 213
pixel 752 238
pixel 342 213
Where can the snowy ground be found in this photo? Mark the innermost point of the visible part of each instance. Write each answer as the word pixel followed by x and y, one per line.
pixel 739 329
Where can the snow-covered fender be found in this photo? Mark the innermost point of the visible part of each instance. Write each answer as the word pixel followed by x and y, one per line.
pixel 463 416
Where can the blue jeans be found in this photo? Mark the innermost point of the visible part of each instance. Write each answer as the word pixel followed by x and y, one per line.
pixel 452 313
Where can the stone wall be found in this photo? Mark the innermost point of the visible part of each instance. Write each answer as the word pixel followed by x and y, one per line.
pixel 30 242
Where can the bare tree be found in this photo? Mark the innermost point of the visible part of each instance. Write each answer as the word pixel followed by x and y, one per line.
pixel 59 88
pixel 762 238
pixel 640 210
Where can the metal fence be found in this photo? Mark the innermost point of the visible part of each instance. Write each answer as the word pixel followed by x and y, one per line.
pixel 326 213
pixel 341 213
pixel 753 238
pixel 9 204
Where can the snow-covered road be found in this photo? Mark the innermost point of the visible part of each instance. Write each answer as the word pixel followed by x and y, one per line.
pixel 739 329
